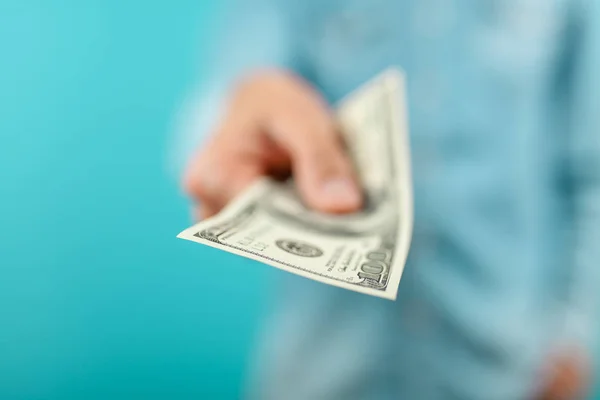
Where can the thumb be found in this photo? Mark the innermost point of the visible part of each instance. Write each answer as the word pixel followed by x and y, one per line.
pixel 326 181
pixel 321 168
pixel 300 123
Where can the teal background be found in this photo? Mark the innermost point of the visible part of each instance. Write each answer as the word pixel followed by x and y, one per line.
pixel 98 299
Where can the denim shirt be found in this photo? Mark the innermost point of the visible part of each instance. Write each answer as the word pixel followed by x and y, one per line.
pixel 504 269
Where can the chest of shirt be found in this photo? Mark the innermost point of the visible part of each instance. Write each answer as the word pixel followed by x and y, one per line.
pixel 478 72
pixel 444 45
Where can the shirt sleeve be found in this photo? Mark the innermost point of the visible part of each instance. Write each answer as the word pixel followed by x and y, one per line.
pixel 583 301
pixel 248 35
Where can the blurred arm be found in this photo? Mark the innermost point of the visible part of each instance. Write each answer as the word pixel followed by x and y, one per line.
pixel 584 154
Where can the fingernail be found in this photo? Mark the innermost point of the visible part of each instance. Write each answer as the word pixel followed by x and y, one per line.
pixel 341 193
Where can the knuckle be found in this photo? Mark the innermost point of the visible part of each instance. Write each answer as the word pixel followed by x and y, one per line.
pixel 254 88
pixel 276 91
pixel 198 181
pixel 193 183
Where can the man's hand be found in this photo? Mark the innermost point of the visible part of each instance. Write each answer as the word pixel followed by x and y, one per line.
pixel 275 124
pixel 569 378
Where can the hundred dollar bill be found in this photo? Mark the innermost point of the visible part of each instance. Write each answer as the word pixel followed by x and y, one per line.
pixel 365 251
